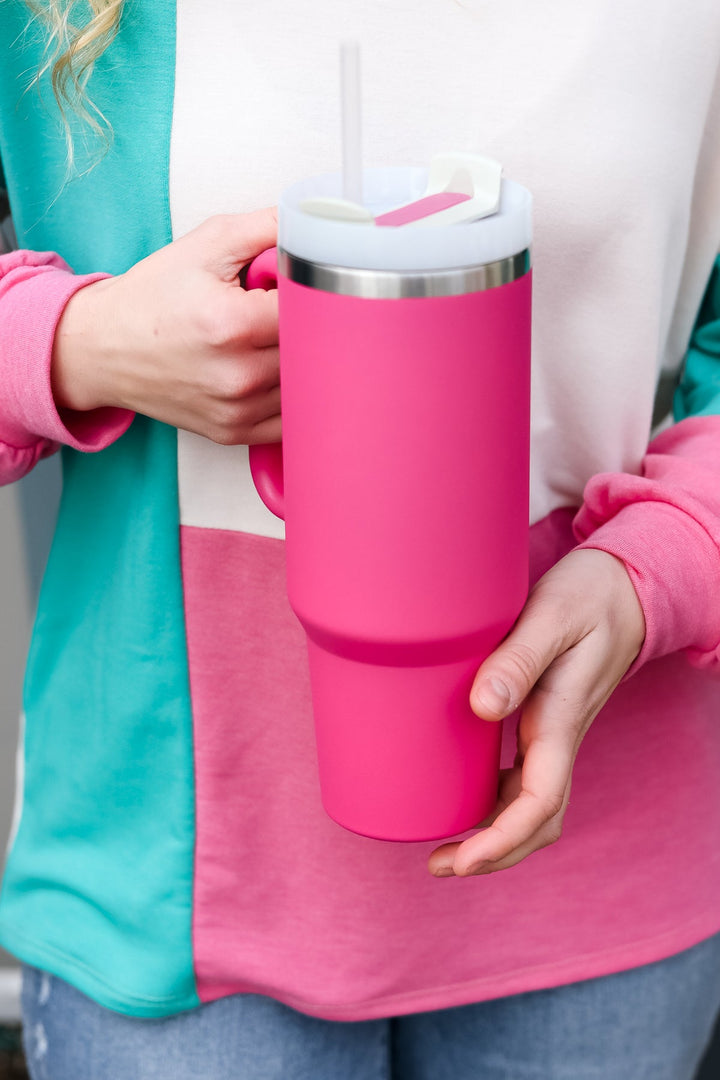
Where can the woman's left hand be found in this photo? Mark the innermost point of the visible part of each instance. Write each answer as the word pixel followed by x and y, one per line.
pixel 579 632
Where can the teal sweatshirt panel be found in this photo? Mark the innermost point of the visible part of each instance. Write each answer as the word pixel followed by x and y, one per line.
pixel 698 393
pixel 98 886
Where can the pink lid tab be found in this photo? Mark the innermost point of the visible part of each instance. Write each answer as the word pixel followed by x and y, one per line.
pixel 422 208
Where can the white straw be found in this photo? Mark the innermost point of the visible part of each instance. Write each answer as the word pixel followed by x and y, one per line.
pixel 351 131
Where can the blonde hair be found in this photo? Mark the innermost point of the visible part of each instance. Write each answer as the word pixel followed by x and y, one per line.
pixel 71 52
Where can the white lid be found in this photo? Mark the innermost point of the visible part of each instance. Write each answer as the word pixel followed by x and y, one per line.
pixel 372 247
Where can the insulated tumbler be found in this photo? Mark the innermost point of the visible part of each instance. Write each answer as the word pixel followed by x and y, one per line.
pixel 405 371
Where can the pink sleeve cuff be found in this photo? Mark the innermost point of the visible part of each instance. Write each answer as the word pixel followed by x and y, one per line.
pixel 664 525
pixel 34 289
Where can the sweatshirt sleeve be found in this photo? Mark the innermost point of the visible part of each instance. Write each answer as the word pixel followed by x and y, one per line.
pixel 664 524
pixel 34 289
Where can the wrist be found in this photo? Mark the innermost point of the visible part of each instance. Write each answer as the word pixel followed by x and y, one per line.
pixel 625 615
pixel 81 362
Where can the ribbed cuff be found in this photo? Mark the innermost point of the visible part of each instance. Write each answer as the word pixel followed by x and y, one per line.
pixel 32 299
pixel 674 566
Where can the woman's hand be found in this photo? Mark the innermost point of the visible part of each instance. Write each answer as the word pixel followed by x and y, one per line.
pixel 579 632
pixel 178 339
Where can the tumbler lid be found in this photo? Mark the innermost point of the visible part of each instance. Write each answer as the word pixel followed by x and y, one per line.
pixel 363 246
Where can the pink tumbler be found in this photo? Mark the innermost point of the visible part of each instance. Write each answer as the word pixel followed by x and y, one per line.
pixel 405 370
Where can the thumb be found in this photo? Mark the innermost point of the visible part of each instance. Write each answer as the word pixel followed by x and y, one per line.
pixel 508 675
pixel 229 241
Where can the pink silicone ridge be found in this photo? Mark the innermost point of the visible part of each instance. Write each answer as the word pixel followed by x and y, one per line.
pixel 431 204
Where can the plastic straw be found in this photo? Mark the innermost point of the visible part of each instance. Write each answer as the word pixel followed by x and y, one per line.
pixel 351 116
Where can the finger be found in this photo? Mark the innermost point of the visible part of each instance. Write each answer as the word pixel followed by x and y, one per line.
pixel 235 320
pixel 516 832
pixel 509 787
pixel 231 240
pixel 544 630
pixel 551 728
pixel 256 419
pixel 512 835
pixel 550 743
pixel 443 860
pixel 268 406
pixel 265 368
pixel 268 431
pixel 257 311
pixel 448 863
pixel 259 407
pixel 238 375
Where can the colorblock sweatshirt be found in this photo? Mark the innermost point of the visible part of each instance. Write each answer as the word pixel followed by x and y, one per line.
pixel 170 844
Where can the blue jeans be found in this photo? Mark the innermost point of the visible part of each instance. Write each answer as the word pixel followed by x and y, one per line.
pixel 651 1023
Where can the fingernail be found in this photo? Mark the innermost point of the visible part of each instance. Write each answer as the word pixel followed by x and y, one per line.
pixel 494 695
pixel 476 868
pixel 444 871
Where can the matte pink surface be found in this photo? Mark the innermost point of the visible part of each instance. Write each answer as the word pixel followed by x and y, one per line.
pixel 406 456
pixel 405 435
pixel 401 755
pixel 289 904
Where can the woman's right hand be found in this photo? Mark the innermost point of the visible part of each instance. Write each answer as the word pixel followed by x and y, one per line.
pixel 178 339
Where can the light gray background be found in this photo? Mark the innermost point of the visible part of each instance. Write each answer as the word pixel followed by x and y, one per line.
pixel 14 629
pixel 27 516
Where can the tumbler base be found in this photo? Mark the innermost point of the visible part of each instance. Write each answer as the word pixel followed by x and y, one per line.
pixel 401 755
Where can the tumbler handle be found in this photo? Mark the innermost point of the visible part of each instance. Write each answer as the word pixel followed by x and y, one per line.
pixel 266 465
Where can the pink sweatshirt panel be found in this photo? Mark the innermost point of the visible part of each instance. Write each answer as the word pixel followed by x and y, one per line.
pixel 289 904
pixel 34 289
pixel 665 526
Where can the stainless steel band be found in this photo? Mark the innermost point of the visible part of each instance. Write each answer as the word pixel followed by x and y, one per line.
pixel 394 284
